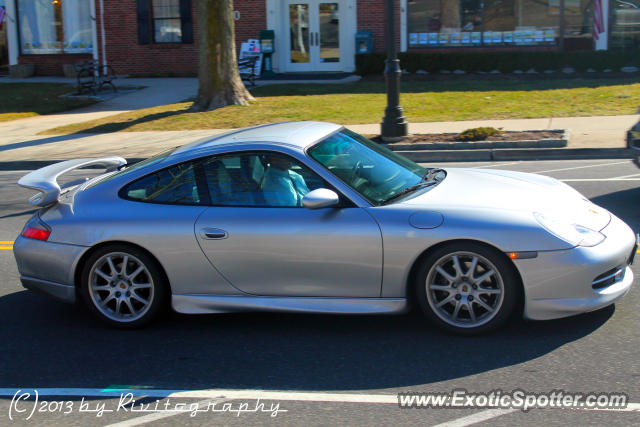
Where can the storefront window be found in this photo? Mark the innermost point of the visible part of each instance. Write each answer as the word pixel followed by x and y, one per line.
pixel 625 24
pixel 578 20
pixel 54 26
pixel 537 22
pixel 451 23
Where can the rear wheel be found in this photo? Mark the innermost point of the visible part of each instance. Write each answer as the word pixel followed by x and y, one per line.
pixel 467 288
pixel 123 286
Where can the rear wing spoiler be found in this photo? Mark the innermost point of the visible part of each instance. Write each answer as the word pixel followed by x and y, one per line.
pixel 45 180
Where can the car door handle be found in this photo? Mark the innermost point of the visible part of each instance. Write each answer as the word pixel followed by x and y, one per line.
pixel 213 233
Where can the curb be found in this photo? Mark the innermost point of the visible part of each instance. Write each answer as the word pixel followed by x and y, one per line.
pixel 561 141
pixel 518 154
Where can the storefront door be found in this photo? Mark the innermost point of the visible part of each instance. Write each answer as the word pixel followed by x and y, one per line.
pixel 313 36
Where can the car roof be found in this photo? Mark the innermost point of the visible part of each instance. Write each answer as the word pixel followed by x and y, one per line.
pixel 297 134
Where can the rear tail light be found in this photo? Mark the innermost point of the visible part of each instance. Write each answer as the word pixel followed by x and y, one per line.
pixel 36 229
pixel 35 233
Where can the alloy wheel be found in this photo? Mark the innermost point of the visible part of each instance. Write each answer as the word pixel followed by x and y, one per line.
pixel 464 289
pixel 121 287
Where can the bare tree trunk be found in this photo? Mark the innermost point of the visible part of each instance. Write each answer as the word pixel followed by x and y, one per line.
pixel 218 78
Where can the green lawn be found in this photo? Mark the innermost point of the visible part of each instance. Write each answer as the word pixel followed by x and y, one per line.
pixel 364 102
pixel 19 100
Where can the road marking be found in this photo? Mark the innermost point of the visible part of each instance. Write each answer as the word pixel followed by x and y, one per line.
pixel 6 242
pixel 216 394
pixel 221 395
pixel 490 414
pixel 583 167
pixel 7 248
pixel 626 176
pixel 477 418
pixel 495 166
pixel 159 415
pixel 598 179
pixel 631 407
pixel 230 394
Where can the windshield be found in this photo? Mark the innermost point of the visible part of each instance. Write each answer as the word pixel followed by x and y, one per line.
pixel 374 171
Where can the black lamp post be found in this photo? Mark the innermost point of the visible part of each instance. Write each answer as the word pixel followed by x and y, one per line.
pixel 394 125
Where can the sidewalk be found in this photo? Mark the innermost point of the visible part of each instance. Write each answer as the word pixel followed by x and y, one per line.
pixel 21 143
pixel 19 140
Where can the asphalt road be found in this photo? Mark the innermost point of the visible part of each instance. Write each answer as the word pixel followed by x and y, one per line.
pixel 47 344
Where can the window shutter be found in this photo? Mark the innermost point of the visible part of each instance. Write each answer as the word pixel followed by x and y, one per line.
pixel 144 22
pixel 186 21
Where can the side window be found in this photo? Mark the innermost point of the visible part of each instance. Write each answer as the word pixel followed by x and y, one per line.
pixel 265 179
pixel 176 184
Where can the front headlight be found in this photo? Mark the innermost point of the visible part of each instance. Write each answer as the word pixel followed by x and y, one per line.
pixel 574 234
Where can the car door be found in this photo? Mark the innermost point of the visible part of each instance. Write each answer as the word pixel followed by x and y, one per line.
pixel 261 239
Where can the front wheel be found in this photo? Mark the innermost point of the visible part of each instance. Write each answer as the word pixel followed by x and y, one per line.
pixel 467 288
pixel 123 286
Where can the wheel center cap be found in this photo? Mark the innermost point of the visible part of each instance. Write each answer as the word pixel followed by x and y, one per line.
pixel 123 285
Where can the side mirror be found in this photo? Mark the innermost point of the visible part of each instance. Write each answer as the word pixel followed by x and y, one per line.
pixel 320 198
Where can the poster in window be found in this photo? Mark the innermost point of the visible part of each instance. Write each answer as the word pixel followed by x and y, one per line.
pixel 466 38
pixel 538 36
pixel 413 38
pixel 529 37
pixel 443 38
pixel 476 37
pixel 518 36
pixel 497 36
pixel 434 38
pixel 423 39
pixel 455 38
pixel 508 36
pixel 550 36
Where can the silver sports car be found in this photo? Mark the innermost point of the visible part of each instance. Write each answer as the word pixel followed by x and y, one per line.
pixel 311 217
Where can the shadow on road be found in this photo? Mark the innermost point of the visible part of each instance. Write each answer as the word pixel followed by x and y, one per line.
pixel 50 344
pixel 624 204
pixel 42 141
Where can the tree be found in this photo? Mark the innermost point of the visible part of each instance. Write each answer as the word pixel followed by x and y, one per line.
pixel 219 81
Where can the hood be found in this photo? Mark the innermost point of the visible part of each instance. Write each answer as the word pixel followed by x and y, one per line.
pixel 507 190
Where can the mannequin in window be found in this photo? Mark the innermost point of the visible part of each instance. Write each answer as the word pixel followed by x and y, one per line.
pixel 280 185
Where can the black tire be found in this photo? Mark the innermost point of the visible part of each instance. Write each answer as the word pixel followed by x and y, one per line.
pixel 500 291
pixel 124 285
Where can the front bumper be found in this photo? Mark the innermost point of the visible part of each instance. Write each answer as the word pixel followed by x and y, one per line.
pixel 48 267
pixel 560 283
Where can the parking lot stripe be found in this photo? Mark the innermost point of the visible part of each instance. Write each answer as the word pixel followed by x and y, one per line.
pixel 583 167
pixel 215 394
pixel 6 242
pixel 227 394
pixel 598 179
pixel 626 176
pixel 6 248
pixel 158 415
pixel 496 166
pixel 477 418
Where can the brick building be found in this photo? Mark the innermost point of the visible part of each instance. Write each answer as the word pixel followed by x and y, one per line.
pixel 160 36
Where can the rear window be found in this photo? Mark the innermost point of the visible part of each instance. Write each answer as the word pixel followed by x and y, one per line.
pixel 148 162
